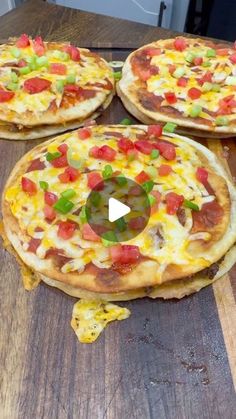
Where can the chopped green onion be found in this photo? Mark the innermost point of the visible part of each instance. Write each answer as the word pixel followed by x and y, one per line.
pixel 84 214
pixel 43 185
pixel 121 180
pixel 151 199
pixel 206 64
pixel 14 77
pixel 126 121
pixel 222 120
pixel 191 205
pixel 216 87
pixel 69 193
pixel 42 61
pixel 76 163
pixel 32 62
pixel 63 205
pixel 148 186
pixel 120 224
pixel 179 72
pixel 16 52
pixel 63 56
pixel 195 111
pixel 12 86
pixel 152 171
pixel 230 81
pixel 169 127
pixel 53 156
pixel 24 70
pixel 154 154
pixel 117 75
pixel 211 53
pixel 95 198
pixel 116 64
pixel 109 238
pixel 71 79
pixel 60 85
pixel 207 87
pixel 189 57
pixel 107 171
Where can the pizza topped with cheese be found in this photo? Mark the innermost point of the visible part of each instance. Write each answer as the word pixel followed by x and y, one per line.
pixel 192 217
pixel 189 81
pixel 49 85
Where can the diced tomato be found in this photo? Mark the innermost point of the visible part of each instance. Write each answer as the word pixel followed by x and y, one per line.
pixel 197 60
pixel 73 52
pixel 210 215
pixel 233 58
pixel 36 85
pixel 170 97
pixel 66 230
pixel 164 170
pixel 28 186
pixel 124 144
pixel 6 96
pixel 137 223
pixel 155 130
pixel 222 51
pixel 142 177
pixel 49 212
pixel 36 164
pixel 84 133
pixel 95 181
pixel 33 245
pixel 143 146
pixel 173 202
pixel 226 104
pixel 132 154
pixel 125 253
pixel 38 46
pixel 155 205
pixel 180 44
pixel 152 52
pixel 104 153
pixel 166 149
pixel 172 68
pixel 58 68
pixel 21 63
pixel 70 175
pixel 60 161
pixel 144 74
pixel 50 198
pixel 23 41
pixel 182 82
pixel 207 77
pixel 194 93
pixel 89 234
pixel 63 148
pixel 202 175
pixel 71 88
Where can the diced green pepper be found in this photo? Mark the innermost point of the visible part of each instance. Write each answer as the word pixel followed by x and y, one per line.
pixel 60 85
pixel 207 87
pixel 154 154
pixel 63 205
pixel 109 238
pixel 191 205
pixel 151 199
pixel 120 224
pixel 42 61
pixel 189 57
pixel 107 171
pixel 222 120
pixel 24 70
pixel 63 56
pixel 84 214
pixel 95 198
pixel 12 86
pixel 121 180
pixel 152 171
pixel 117 75
pixel 148 186
pixel 195 111
pixel 211 53
pixel 69 193
pixel 53 156
pixel 179 72
pixel 14 77
pixel 16 52
pixel 206 64
pixel 126 121
pixel 71 79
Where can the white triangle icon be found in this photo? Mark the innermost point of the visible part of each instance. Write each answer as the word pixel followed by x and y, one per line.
pixel 116 209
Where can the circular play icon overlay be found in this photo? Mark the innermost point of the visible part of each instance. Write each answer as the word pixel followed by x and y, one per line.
pixel 118 209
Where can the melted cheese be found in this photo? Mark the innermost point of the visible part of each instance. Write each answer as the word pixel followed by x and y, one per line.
pixel 90 317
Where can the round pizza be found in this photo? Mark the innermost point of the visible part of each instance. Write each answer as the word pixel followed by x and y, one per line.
pixel 48 87
pixel 187 243
pixel 191 82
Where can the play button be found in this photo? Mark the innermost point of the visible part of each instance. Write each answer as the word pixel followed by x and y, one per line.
pixel 117 209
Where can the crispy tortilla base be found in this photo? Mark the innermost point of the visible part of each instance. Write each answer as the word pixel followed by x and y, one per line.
pixel 127 90
pixel 144 274
pixel 42 131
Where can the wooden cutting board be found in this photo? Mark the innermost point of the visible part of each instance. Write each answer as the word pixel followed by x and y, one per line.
pixel 170 359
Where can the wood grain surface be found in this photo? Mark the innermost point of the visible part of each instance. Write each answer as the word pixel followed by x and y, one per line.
pixel 170 359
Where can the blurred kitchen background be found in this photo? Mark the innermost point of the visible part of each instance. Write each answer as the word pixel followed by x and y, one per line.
pixel 214 18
